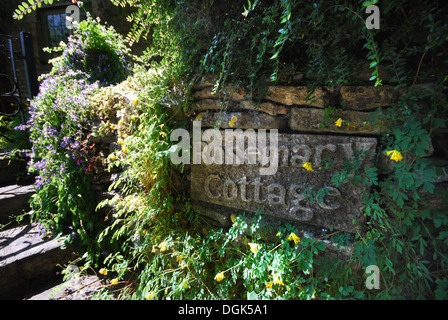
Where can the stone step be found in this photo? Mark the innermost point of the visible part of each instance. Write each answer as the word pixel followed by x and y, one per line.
pixel 10 169
pixel 14 201
pixel 28 261
pixel 80 287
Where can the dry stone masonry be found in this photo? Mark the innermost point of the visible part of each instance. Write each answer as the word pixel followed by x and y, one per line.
pixel 306 133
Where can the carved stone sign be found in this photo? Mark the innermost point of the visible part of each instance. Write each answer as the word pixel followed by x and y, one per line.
pixel 283 195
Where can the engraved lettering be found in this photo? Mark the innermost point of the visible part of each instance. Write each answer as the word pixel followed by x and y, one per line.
pixel 318 154
pixel 332 192
pixel 299 160
pixel 276 198
pixel 207 181
pixel 298 211
pixel 243 184
pixel 230 190
pixel 257 184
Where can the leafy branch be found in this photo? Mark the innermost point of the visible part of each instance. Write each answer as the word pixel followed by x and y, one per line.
pixel 28 7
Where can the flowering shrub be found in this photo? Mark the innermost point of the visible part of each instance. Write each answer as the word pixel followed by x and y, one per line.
pixel 96 50
pixel 59 118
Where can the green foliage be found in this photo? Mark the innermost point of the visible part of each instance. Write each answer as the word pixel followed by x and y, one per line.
pixel 28 7
pixel 59 116
pixel 151 238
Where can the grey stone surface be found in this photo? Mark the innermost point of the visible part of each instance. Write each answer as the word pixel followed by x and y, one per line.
pixel 270 108
pixel 245 120
pixel 369 97
pixel 313 120
pixel 282 195
pixel 27 259
pixel 14 201
pixel 297 96
pixel 79 287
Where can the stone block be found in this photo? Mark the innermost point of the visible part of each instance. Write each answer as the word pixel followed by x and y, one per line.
pixel 313 120
pixel 264 107
pixel 297 96
pixel 27 259
pixel 285 194
pixel 245 120
pixel 369 97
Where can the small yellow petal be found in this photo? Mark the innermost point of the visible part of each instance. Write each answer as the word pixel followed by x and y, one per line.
pixel 338 123
pixel 150 295
pixel 278 279
pixel 219 276
pixel 114 281
pixel 294 237
pixel 254 247
pixel 163 247
pixel 234 119
pixel 396 155
pixel 308 166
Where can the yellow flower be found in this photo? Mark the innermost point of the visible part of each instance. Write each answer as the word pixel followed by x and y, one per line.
pixel 163 134
pixel 112 157
pixel 134 101
pixel 140 127
pixel 103 271
pixel 219 276
pixel 150 295
pixel 163 246
pixel 179 258
pixel 338 123
pixel 232 121
pixel 232 218
pixel 308 166
pixel 120 141
pixel 269 284
pixel 162 125
pixel 200 116
pixel 278 279
pixel 133 117
pixel 114 281
pixel 112 127
pixel 120 123
pixel 396 155
pixel 154 249
pixel 183 265
pixel 254 247
pixel 294 237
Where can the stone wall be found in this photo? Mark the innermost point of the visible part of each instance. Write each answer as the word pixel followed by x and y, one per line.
pixel 307 133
